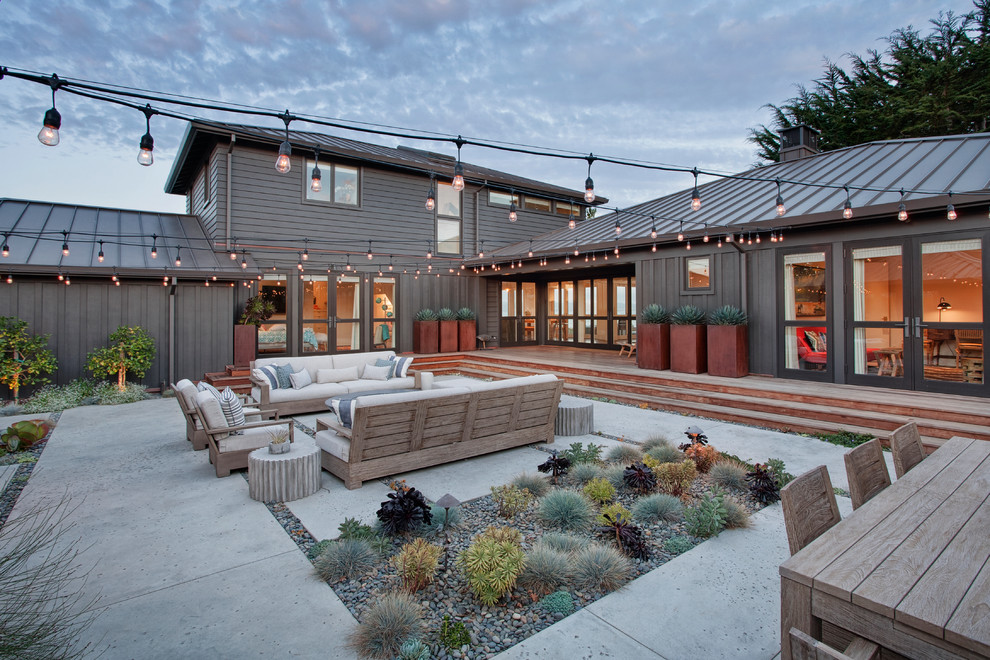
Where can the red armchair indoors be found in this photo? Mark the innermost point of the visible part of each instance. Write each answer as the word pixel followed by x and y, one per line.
pixel 807 353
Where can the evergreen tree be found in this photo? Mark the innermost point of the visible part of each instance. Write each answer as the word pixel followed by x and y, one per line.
pixel 919 86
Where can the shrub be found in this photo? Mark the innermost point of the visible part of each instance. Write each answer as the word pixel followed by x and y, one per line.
pixel 666 454
pixel 600 567
pixel 655 314
pixel 658 507
pixel 577 453
pixel 545 571
pixel 502 535
pixel 687 315
pixel 677 545
pixel 566 509
pixel 582 473
pixel 599 490
pixel 845 438
pixel 560 542
pixel 626 536
pixel 404 510
pixel 345 559
pixel 624 454
pixel 131 349
pixel 417 563
pixel 559 602
pixel 763 484
pixel 24 358
pixel 736 515
pixel 392 620
pixel 781 475
pixel 414 649
pixel 675 478
pixel 615 475
pixel 728 474
pixel 511 500
pixel 707 517
pixel 704 456
pixel 555 465
pixel 534 483
pixel 109 395
pixel 491 567
pixel 656 440
pixel 453 635
pixel 640 478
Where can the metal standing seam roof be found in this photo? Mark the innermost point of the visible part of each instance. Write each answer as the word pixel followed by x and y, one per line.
pixel 936 165
pixel 33 232
pixel 202 135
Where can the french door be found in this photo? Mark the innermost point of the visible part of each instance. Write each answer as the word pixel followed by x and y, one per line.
pixel 915 310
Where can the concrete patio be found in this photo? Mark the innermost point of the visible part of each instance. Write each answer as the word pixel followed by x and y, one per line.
pixel 189 566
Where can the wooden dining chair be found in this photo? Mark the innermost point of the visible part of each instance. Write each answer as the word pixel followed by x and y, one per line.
pixel 809 507
pixel 806 647
pixel 905 444
pixel 866 471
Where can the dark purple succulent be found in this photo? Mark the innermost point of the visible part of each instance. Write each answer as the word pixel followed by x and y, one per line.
pixel 639 477
pixel 555 465
pixel 763 484
pixel 628 537
pixel 404 510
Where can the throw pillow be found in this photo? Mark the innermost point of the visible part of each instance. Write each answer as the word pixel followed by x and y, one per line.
pixel 203 386
pixel 300 379
pixel 232 409
pixel 386 363
pixel 269 373
pixel 812 338
pixel 401 365
pixel 822 342
pixel 336 375
pixel 372 372
pixel 284 372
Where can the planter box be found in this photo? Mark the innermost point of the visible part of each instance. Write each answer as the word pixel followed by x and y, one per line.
pixel 653 345
pixel 688 352
pixel 448 336
pixel 728 350
pixel 426 336
pixel 245 344
pixel 467 335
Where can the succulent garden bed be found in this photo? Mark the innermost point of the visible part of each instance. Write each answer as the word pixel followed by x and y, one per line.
pixel 474 579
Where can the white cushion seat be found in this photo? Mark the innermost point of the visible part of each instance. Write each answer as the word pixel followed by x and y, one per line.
pixel 250 439
pixel 362 385
pixel 334 444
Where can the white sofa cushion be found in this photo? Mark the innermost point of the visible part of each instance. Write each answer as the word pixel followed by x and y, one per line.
pixel 374 372
pixel 300 379
pixel 334 444
pixel 315 391
pixel 250 439
pixel 364 385
pixel 311 363
pixel 359 360
pixel 337 375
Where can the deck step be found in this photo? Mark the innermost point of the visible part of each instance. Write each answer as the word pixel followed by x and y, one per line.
pixel 220 380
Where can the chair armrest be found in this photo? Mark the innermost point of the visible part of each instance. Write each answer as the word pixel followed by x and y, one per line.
pixel 253 425
pixel 265 389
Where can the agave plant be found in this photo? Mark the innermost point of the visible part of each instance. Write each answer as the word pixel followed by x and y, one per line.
pixel 628 537
pixel 655 314
pixel 403 511
pixel 446 314
pixel 763 484
pixel 555 465
pixel 426 314
pixel 639 477
pixel 688 315
pixel 465 314
pixel 728 315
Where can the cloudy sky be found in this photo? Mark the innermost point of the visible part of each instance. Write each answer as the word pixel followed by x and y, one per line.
pixel 666 81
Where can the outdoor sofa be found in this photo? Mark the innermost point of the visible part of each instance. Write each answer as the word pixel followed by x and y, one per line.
pixel 328 376
pixel 403 431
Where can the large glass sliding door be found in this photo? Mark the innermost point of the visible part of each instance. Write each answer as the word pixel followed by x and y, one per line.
pixel 518 311
pixel 806 326
pixel 592 312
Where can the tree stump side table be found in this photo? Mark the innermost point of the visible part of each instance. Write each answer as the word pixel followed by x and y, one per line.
pixel 575 418
pixel 284 477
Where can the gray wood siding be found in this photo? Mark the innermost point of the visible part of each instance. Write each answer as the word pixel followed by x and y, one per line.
pixel 435 292
pixel 204 335
pixel 210 209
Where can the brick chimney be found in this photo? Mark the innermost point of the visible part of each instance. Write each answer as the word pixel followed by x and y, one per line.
pixel 798 142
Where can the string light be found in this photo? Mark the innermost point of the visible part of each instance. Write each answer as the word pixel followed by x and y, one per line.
pixel 720 241
pixel 757 237
pixel 571 223
pixel 114 276
pixel 299 264
pixel 654 248
pixel 178 259
pixel 950 210
pixel 512 208
pixel 429 250
pixel 616 250
pixel 347 266
pixel 688 246
pixel 10 278
pixel 283 163
pixel 154 246
pixel 5 250
pixel 145 156
pixel 589 184
pixel 233 253
pixel 316 180
pixel 458 181
pixel 902 213
pixel 370 255
pixel 530 247
pixel 847 208
pixel 653 228
pixel 431 199
pixel 390 266
pixel 48 135
pixel 65 243
pixel 618 227
pixel 781 209
pixel 705 239
pixel 305 252
pixel 680 232
pixel 576 251
pixel 99 257
pixel 206 282
pixel 695 197
pixel 481 251
pixel 243 259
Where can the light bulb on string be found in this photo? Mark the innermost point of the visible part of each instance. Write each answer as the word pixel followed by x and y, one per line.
pixel 65 243
pixel 720 241
pixel 728 238
pixel 695 196
pixel 688 246
pixel 680 231
pixel 530 247
pixel 705 238
pixel 572 223
pixel 781 209
pixel 114 276
pixel 299 264
pixel 431 197
pixel 283 163
pixel 757 238
pixel 154 246
pixel 5 250
pixel 576 251
pixel 316 178
pixel 390 266
pixel 512 210
pixel 653 228
pixel 847 207
pixel 10 278
pixel 950 210
pixel 618 227
pixel 99 256
pixel 481 251
pixel 347 266
pixel 244 260
pixel 902 213
pixel 429 250
pixel 178 259
pixel 458 181
pixel 305 252
pixel 145 156
pixel 654 248
pixel 370 254
pixel 48 135
pixel 589 184
pixel 233 254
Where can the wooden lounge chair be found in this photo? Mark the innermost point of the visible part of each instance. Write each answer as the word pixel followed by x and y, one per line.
pixel 627 348
pixel 866 471
pixel 228 450
pixel 806 647
pixel 809 507
pixel 905 444
pixel 185 393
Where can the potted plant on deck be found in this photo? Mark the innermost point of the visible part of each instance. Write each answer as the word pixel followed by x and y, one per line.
pixel 448 330
pixel 728 342
pixel 467 329
pixel 653 338
pixel 425 332
pixel 257 310
pixel 688 353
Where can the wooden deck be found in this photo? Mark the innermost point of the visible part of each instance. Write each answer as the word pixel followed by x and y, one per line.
pixel 787 405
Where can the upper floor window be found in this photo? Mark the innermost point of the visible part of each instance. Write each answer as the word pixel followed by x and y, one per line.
pixel 568 209
pixel 341 184
pixel 448 219
pixel 537 204
pixel 448 201
pixel 698 272
pixel 502 198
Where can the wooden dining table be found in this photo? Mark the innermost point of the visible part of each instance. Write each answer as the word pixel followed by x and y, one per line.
pixel 909 569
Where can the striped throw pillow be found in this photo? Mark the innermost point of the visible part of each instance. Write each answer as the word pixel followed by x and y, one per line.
pixel 203 386
pixel 269 373
pixel 232 409
pixel 401 366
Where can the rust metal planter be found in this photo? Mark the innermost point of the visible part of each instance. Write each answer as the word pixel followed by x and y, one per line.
pixel 467 335
pixel 448 336
pixel 688 352
pixel 653 346
pixel 245 344
pixel 728 350
pixel 426 336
